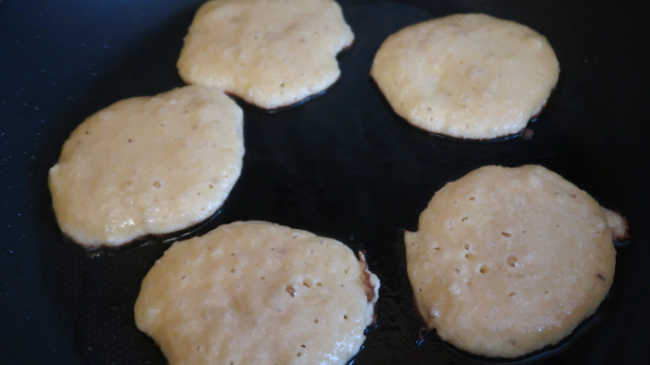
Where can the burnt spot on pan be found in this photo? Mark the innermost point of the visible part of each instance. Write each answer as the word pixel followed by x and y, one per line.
pixel 527 133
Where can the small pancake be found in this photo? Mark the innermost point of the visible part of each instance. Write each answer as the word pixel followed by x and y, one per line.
pixel 466 75
pixel 269 53
pixel 148 165
pixel 509 260
pixel 257 293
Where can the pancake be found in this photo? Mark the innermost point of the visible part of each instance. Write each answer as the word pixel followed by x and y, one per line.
pixel 147 165
pixel 509 260
pixel 257 293
pixel 466 75
pixel 269 53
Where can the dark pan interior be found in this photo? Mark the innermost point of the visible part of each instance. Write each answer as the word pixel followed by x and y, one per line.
pixel 342 165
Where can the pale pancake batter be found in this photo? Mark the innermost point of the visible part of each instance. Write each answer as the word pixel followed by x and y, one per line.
pixel 257 293
pixel 509 260
pixel 148 165
pixel 269 53
pixel 466 75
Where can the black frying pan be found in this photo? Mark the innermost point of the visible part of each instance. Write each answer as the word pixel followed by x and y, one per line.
pixel 342 165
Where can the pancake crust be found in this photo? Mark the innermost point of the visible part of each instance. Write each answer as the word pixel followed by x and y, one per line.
pixel 148 165
pixel 466 75
pixel 509 260
pixel 257 293
pixel 269 53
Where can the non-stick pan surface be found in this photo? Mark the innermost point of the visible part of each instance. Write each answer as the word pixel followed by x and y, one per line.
pixel 342 165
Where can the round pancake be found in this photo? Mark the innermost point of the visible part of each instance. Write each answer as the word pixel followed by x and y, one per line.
pixel 269 53
pixel 148 165
pixel 466 75
pixel 257 293
pixel 509 260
